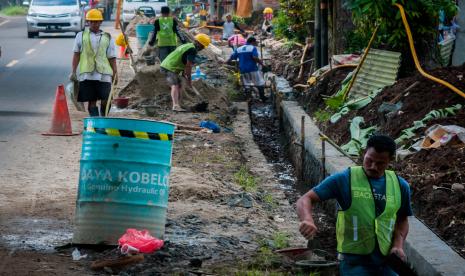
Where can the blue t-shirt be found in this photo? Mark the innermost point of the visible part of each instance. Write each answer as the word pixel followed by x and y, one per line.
pixel 337 187
pixel 245 54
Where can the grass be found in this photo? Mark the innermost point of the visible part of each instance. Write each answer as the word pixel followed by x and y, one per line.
pixel 280 240
pixel 270 201
pixel 244 179
pixel 14 10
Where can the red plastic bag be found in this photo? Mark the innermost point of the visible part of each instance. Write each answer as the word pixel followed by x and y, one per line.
pixel 140 240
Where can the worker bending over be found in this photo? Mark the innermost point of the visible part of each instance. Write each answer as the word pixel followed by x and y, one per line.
pixel 373 206
pixel 165 32
pixel 248 57
pixel 94 52
pixel 181 61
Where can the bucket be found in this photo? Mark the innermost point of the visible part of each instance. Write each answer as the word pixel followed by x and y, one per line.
pixel 123 180
pixel 142 33
pixel 121 102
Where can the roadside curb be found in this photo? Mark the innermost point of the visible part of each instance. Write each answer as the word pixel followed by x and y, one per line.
pixel 428 254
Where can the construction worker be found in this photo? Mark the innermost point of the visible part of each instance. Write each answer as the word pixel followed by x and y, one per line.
pixel 165 32
pixel 95 57
pixel 229 26
pixel 181 61
pixel 373 206
pixel 248 66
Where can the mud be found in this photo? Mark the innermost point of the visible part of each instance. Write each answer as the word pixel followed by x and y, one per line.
pixel 267 135
pixel 440 208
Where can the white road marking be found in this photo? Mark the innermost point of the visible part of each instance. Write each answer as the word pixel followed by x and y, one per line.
pixel 30 51
pixel 12 63
pixel 4 22
pixel 43 41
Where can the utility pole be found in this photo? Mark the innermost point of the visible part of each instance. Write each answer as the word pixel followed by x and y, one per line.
pixel 317 50
pixel 211 8
pixel 324 32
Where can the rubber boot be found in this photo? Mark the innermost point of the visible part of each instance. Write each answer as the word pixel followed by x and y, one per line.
pixel 93 111
pixel 261 93
pixel 103 107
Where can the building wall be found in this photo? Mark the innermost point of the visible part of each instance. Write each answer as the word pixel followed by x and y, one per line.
pixel 261 4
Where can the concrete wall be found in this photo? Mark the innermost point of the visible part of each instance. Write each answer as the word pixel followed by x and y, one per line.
pixel 425 251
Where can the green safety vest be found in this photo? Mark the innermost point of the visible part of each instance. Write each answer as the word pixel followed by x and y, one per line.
pixel 166 36
pixel 173 62
pixel 90 61
pixel 358 228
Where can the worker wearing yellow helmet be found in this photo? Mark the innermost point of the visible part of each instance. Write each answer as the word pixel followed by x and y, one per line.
pixel 94 64
pixel 182 61
pixel 267 10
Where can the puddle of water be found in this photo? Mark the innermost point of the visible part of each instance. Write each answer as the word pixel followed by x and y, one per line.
pixel 36 234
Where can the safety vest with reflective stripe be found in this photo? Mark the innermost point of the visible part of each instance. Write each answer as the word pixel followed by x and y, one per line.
pixel 166 36
pixel 173 62
pixel 89 60
pixel 358 228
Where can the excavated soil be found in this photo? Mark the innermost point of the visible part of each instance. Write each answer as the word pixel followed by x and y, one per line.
pixel 430 173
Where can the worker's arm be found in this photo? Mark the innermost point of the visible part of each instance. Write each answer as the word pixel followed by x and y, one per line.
pixel 188 72
pixel 400 234
pixel 256 57
pixel 237 27
pixel 156 28
pixel 113 67
pixel 305 212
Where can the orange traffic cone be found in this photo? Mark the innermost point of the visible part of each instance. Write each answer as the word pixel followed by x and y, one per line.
pixel 61 123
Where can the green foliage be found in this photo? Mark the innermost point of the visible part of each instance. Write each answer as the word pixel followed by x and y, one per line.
pixel 14 10
pixel 244 179
pixel 268 199
pixel 280 240
pixel 238 19
pixel 322 115
pixel 421 14
pixel 292 20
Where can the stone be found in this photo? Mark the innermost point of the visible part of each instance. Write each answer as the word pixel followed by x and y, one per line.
pixel 457 187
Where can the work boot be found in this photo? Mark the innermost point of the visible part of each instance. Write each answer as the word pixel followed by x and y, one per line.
pixel 261 93
pixel 93 111
pixel 102 110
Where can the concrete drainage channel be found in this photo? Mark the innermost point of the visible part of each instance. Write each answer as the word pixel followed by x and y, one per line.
pixel 427 253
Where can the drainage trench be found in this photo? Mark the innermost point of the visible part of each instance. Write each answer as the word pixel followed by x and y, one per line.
pixel 280 149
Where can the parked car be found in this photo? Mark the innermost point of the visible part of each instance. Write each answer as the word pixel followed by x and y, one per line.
pixel 54 16
pixel 130 7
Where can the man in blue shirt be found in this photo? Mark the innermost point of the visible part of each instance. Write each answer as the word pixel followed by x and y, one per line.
pixel 248 66
pixel 362 246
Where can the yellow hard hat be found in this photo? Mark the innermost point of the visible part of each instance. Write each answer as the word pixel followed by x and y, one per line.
pixel 186 24
pixel 94 15
pixel 120 41
pixel 203 39
pixel 268 10
pixel 188 18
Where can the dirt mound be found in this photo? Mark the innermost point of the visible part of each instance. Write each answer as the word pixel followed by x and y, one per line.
pixel 150 87
pixel 138 19
pixel 431 174
pixel 424 97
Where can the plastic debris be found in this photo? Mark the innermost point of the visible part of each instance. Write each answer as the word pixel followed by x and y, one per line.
pixel 140 240
pixel 77 255
pixel 210 125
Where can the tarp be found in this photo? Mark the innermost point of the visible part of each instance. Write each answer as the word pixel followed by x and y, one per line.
pixel 244 8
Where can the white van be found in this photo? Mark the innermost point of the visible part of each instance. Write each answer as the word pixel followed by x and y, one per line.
pixel 130 7
pixel 54 16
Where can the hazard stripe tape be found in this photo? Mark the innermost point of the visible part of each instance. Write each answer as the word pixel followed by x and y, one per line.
pixel 130 133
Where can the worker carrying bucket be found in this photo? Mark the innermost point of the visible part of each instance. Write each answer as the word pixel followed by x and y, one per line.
pixel 374 206
pixel 94 56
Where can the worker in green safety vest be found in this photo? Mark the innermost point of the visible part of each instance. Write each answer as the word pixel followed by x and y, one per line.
pixel 373 210
pixel 94 64
pixel 181 61
pixel 165 32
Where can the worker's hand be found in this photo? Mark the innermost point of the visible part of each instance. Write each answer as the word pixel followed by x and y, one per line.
pixel 399 251
pixel 308 229
pixel 73 77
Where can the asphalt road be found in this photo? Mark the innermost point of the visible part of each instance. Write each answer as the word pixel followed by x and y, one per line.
pixel 30 71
